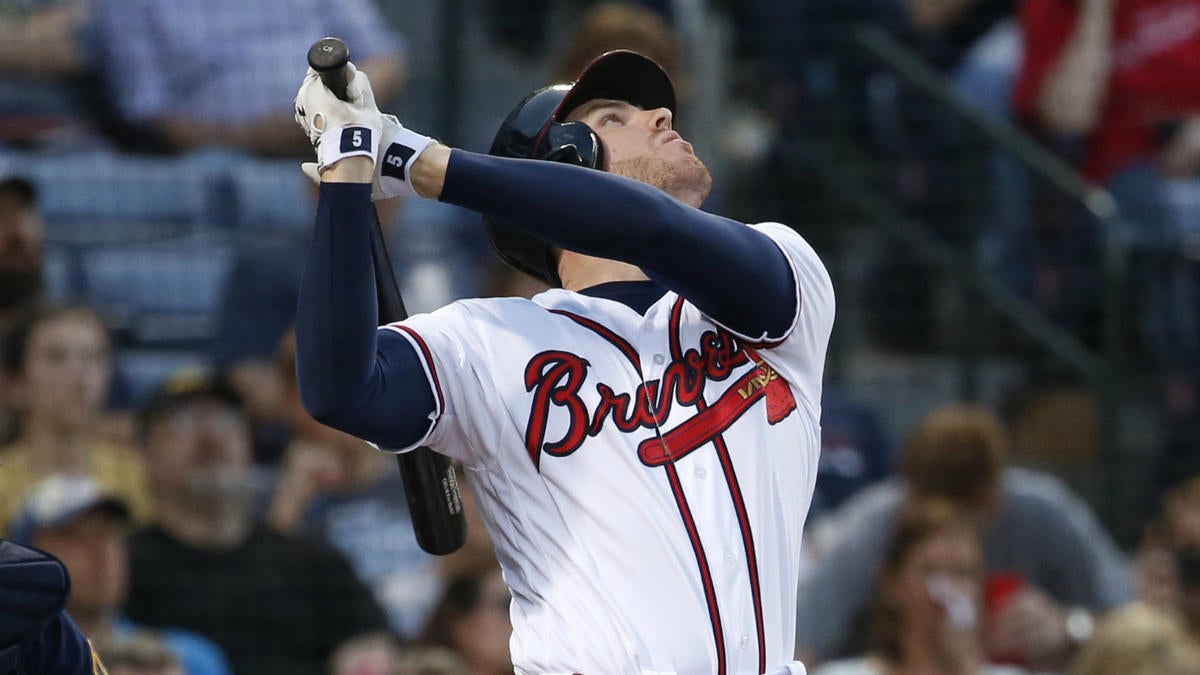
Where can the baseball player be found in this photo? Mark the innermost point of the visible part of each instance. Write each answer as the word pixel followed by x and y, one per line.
pixel 37 636
pixel 642 439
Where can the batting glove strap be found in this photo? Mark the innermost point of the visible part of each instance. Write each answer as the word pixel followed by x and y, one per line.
pixel 338 143
pixel 400 150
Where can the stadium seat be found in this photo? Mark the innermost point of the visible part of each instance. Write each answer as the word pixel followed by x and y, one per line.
pixel 158 294
pixel 101 197
pixel 271 196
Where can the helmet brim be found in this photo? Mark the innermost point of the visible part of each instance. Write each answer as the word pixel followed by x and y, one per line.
pixel 622 75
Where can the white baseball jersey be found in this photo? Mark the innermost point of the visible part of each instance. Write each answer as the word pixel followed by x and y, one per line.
pixel 645 478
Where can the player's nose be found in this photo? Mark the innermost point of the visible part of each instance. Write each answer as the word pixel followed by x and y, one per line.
pixel 660 118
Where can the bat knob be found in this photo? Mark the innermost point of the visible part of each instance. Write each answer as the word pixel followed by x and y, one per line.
pixel 328 54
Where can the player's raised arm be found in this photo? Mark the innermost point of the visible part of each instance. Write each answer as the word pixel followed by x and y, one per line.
pixel 352 377
pixel 640 209
pixel 732 272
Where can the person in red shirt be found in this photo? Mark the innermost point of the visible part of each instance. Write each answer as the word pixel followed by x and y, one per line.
pixel 1116 83
pixel 1122 74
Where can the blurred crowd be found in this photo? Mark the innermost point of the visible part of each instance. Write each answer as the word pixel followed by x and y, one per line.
pixel 211 526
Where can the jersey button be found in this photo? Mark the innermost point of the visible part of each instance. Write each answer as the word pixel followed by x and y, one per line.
pixel 745 640
pixel 701 473
pixel 658 359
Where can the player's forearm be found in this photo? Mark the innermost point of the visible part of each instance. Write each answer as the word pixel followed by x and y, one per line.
pixel 734 273
pixel 350 377
pixel 337 312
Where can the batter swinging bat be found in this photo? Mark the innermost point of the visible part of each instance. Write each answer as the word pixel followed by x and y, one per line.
pixel 429 480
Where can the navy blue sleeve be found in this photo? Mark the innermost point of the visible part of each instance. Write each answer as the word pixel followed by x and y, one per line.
pixel 733 273
pixel 60 648
pixel 352 376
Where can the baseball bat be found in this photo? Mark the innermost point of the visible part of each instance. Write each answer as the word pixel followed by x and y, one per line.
pixel 430 484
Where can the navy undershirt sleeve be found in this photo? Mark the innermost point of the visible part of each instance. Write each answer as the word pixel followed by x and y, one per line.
pixel 353 376
pixel 371 384
pixel 735 274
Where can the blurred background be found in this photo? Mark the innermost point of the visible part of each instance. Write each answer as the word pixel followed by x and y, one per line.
pixel 1006 193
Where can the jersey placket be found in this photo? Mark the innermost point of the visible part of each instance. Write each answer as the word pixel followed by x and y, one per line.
pixel 654 351
pixel 732 560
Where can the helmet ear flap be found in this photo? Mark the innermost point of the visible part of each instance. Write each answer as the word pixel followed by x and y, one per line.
pixel 571 143
pixel 531 132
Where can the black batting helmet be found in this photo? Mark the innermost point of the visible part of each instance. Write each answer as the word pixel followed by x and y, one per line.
pixel 537 129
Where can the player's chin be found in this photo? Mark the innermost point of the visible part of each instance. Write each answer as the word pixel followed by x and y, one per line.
pixel 692 172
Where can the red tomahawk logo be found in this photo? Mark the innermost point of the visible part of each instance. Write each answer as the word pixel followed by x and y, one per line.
pixel 715 419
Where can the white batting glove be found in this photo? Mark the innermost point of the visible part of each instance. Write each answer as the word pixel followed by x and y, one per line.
pixel 339 129
pixel 399 148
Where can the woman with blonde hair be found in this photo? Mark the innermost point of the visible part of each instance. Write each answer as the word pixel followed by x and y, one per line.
pixel 1139 640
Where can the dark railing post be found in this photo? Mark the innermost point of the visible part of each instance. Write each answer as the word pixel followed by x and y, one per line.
pixel 1109 394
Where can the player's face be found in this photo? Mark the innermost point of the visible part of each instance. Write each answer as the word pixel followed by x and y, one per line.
pixel 641 144
pixel 67 367
pixel 95 550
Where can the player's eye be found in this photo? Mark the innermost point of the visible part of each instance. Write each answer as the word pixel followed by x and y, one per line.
pixel 610 120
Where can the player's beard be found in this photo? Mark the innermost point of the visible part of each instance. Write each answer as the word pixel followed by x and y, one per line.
pixel 675 177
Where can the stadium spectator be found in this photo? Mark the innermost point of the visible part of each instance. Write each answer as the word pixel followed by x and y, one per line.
pixel 1139 640
pixel 222 72
pixel 276 604
pixel 855 451
pixel 620 25
pixel 20 272
pixel 21 230
pixel 1111 83
pixel 928 607
pixel 59 366
pixel 1040 542
pixel 48 98
pixel 138 654
pixel 337 487
pixel 472 620
pixel 1168 561
pixel 954 32
pixel 1118 75
pixel 75 520
pixel 429 661
pixel 1179 457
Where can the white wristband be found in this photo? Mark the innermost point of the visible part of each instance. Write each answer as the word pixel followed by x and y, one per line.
pixel 400 152
pixel 338 143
